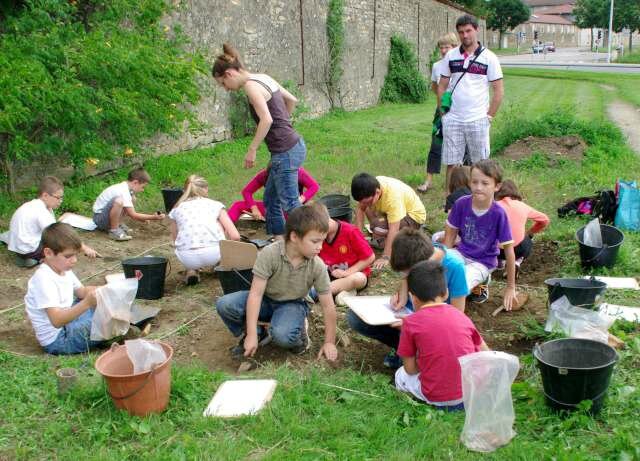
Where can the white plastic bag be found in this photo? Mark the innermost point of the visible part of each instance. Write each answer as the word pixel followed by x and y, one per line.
pixel 577 322
pixel 592 234
pixel 113 312
pixel 144 354
pixel 486 391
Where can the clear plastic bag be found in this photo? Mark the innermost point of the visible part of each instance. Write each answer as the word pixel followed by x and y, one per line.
pixel 486 391
pixel 144 354
pixel 577 322
pixel 593 234
pixel 113 311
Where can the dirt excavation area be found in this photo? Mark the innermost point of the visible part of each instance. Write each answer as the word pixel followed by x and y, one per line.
pixel 188 321
pixel 571 147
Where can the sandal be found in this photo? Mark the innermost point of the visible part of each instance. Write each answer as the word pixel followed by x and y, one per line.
pixel 192 278
pixel 423 188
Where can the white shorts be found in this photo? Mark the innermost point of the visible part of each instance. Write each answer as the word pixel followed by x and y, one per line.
pixel 474 272
pixel 200 257
pixel 459 137
pixel 411 385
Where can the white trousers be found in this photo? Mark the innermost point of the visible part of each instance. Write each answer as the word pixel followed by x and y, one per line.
pixel 200 257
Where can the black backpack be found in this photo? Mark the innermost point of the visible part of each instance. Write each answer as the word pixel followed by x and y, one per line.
pixel 605 206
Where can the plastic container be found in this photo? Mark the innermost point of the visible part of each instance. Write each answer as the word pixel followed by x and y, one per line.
pixel 341 214
pixel 574 370
pixel 583 293
pixel 151 273
pixel 592 257
pixel 335 201
pixel 170 197
pixel 138 394
pixel 233 280
pixel 67 379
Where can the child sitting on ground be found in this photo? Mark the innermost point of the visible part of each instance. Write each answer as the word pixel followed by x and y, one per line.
pixel 197 225
pixel 458 185
pixel 31 218
pixel 117 200
pixel 61 326
pixel 347 255
pixel 307 187
pixel 432 340
pixel 389 205
pixel 518 212
pixel 409 248
pixel 483 228
pixel 282 276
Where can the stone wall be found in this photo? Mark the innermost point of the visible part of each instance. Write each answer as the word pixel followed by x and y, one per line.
pixel 287 39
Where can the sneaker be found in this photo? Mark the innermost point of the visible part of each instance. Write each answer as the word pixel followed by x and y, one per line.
pixel 479 294
pixel 125 228
pixel 192 278
pixel 264 338
pixel 340 297
pixel 518 264
pixel 119 235
pixel 26 262
pixel 306 341
pixel 392 360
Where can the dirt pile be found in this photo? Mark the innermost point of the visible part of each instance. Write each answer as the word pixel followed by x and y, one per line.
pixel 571 147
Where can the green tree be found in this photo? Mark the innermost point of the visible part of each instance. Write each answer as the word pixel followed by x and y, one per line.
pixel 626 15
pixel 592 13
pixel 403 82
pixel 504 15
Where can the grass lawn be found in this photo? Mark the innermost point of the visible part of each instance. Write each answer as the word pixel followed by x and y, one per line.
pixel 630 58
pixel 307 419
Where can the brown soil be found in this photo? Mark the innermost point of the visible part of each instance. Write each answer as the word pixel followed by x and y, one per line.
pixel 207 340
pixel 571 147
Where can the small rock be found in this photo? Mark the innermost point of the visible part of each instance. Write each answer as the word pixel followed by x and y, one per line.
pixel 245 366
pixel 194 354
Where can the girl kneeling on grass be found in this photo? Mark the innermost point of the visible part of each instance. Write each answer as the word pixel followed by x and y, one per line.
pixel 197 226
pixel 483 228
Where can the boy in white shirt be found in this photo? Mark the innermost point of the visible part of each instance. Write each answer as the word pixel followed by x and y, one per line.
pixel 117 200
pixel 61 326
pixel 31 218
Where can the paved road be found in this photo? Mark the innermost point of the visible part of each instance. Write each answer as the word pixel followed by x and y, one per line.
pixel 568 59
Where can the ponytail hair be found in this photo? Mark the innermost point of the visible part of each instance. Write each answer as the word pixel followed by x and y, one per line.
pixel 194 186
pixel 508 189
pixel 229 59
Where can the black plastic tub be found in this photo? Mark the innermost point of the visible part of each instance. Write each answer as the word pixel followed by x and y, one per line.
pixel 233 280
pixel 592 257
pixel 580 292
pixel 150 271
pixel 170 197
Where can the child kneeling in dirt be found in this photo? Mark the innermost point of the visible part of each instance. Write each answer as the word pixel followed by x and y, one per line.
pixel 61 326
pixel 282 276
pixel 432 339
pixel 31 218
pixel 117 200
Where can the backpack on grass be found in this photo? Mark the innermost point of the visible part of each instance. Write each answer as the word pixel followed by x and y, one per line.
pixel 603 205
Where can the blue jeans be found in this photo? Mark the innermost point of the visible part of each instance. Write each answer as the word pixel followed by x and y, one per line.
pixel 286 317
pixel 74 336
pixel 383 333
pixel 281 193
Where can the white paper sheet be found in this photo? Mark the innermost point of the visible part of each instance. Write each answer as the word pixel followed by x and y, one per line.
pixel 375 310
pixel 78 221
pixel 241 397
pixel 621 312
pixel 626 283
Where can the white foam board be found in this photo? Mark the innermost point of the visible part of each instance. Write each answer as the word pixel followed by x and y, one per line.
pixel 621 312
pixel 375 310
pixel 78 221
pixel 626 283
pixel 241 397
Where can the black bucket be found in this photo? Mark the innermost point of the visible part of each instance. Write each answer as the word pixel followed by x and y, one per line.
pixel 574 370
pixel 335 201
pixel 150 271
pixel 233 280
pixel 170 197
pixel 341 214
pixel 580 292
pixel 592 257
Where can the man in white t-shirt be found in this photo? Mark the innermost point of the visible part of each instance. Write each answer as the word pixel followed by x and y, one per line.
pixel 31 218
pixel 117 200
pixel 469 71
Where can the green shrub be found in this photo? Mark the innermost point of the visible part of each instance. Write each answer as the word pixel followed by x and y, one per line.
pixel 404 82
pixel 90 80
pixel 335 40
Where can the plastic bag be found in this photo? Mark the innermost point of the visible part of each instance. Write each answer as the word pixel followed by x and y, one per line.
pixel 593 234
pixel 628 212
pixel 144 354
pixel 113 312
pixel 486 391
pixel 577 322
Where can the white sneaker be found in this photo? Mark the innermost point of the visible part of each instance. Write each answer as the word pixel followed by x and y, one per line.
pixel 119 235
pixel 343 294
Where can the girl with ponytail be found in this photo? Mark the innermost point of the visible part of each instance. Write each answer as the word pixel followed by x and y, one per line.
pixel 197 225
pixel 271 107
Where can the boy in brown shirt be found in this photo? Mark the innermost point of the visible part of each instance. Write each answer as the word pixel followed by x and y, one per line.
pixel 282 276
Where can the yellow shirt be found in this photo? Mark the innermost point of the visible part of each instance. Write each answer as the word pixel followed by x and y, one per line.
pixel 399 200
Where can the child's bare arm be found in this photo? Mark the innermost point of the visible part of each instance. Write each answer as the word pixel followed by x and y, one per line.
pixel 450 234
pixel 484 347
pixel 59 316
pixel 410 365
pixel 173 230
pixel 254 301
pixel 227 225
pixel 328 349
pixel 360 265
pixel 510 290
pixel 90 252
pixel 133 214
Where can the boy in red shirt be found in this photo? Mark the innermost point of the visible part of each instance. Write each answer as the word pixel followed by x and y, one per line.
pixel 348 257
pixel 432 339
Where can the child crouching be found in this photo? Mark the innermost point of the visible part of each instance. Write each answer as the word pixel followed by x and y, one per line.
pixel 432 339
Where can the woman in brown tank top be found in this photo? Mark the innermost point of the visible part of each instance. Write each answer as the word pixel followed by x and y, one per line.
pixel 271 107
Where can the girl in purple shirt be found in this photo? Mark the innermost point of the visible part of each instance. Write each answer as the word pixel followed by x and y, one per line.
pixel 483 228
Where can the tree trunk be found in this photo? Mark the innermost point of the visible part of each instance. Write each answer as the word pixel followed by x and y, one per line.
pixel 499 39
pixel 630 41
pixel 7 165
pixel 592 39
